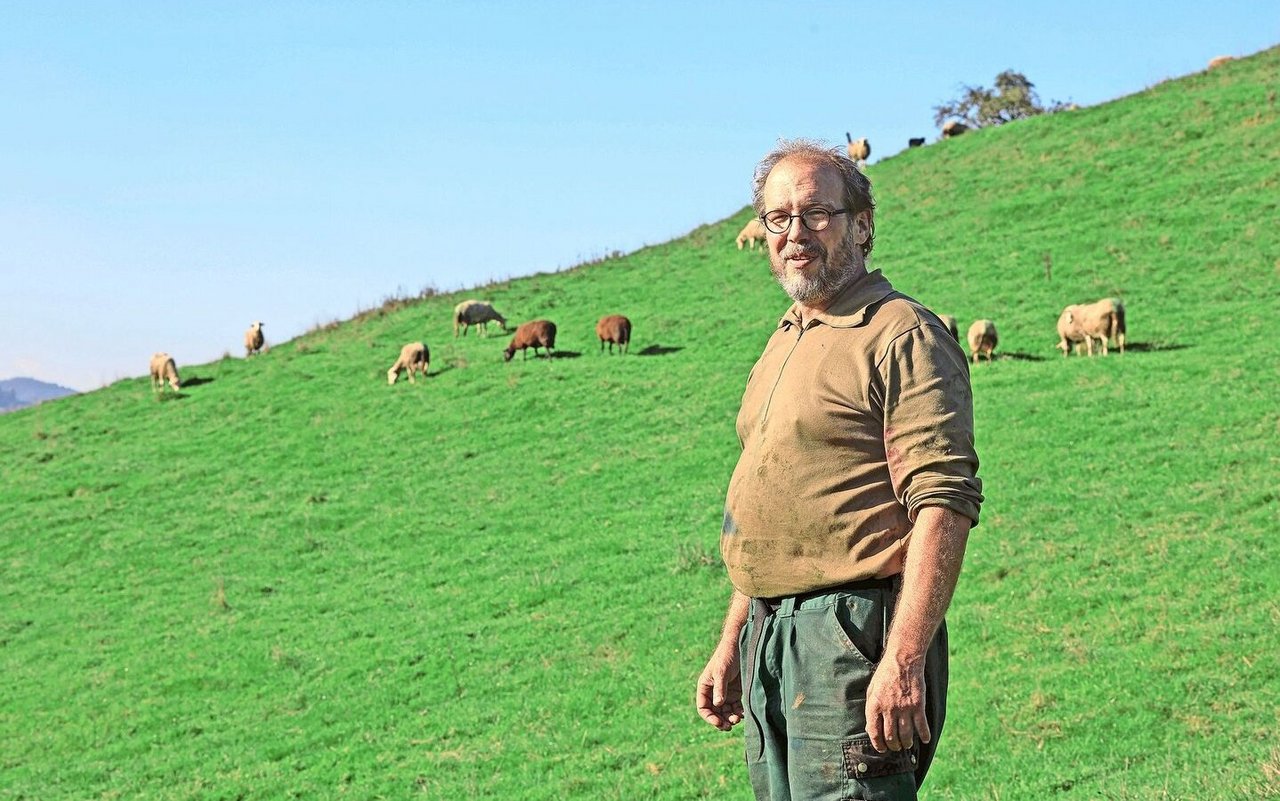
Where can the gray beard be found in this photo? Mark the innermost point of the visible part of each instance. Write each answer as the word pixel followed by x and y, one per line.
pixel 838 268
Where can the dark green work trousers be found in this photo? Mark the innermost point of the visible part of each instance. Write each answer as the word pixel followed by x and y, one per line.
pixel 806 662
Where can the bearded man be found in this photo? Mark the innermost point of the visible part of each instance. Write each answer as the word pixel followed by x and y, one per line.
pixel 847 516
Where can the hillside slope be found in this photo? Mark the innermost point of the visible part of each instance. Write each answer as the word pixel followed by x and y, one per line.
pixel 292 580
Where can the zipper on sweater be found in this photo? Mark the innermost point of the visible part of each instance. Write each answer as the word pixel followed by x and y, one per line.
pixel 764 415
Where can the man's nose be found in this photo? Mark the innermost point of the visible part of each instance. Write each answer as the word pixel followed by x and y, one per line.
pixel 797 232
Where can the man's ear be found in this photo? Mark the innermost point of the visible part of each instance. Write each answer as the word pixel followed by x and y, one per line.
pixel 862 227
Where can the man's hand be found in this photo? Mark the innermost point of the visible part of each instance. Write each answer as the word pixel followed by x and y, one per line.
pixel 719 697
pixel 895 706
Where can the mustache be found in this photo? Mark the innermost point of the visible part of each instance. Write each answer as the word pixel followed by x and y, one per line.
pixel 811 250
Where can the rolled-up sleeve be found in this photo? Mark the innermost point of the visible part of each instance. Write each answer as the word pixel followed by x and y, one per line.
pixel 928 422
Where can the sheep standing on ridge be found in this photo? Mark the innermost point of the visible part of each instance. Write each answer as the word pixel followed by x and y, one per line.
pixel 953 327
pixel 614 329
pixel 253 340
pixel 915 141
pixel 534 334
pixel 953 128
pixel 752 233
pixel 414 357
pixel 859 150
pixel 982 339
pixel 476 312
pixel 163 369
pixel 1218 61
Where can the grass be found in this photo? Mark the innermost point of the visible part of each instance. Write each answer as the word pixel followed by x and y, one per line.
pixel 293 581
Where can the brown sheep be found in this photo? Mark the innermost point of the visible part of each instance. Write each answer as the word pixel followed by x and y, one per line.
pixel 752 233
pixel 253 340
pixel 953 327
pixel 534 334
pixel 982 339
pixel 1218 61
pixel 414 357
pixel 163 369
pixel 478 313
pixel 614 329
pixel 915 141
pixel 859 150
pixel 953 128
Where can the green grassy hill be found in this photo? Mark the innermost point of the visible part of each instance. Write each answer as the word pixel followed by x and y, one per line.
pixel 293 581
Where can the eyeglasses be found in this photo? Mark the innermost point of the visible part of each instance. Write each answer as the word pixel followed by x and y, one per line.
pixel 815 219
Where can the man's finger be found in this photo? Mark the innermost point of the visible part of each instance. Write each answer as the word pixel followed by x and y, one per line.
pixel 922 726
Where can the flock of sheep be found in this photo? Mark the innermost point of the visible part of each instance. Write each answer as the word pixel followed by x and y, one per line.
pixel 415 357
pixel 613 329
pixel 1079 324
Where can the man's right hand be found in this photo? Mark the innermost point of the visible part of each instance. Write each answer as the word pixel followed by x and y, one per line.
pixel 719 697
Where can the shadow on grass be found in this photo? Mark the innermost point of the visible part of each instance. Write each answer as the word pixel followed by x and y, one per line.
pixel 565 354
pixel 443 369
pixel 195 381
pixel 1150 347
pixel 659 350
pixel 1017 356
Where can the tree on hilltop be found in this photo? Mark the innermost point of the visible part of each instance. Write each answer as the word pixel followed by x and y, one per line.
pixel 1012 98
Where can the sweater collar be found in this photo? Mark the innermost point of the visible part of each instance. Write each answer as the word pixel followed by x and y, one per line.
pixel 849 308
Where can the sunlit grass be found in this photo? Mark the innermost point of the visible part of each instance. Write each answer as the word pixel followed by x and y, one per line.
pixel 291 580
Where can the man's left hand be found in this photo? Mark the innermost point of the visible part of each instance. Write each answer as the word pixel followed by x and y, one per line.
pixel 895 706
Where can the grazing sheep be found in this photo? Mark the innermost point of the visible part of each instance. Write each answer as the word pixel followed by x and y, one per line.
pixel 413 357
pixel 253 340
pixel 859 150
pixel 982 339
pixel 953 327
pixel 534 334
pixel 476 312
pixel 752 233
pixel 1118 329
pixel 915 141
pixel 163 369
pixel 1087 322
pixel 614 329
pixel 953 128
pixel 1069 331
pixel 1218 61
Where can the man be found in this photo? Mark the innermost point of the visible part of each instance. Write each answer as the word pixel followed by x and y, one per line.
pixel 848 513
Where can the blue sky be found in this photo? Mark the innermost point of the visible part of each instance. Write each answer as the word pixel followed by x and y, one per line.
pixel 171 172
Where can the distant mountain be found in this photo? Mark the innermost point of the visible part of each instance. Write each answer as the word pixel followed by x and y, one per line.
pixel 16 393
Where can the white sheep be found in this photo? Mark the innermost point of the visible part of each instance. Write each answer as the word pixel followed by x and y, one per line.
pixel 1090 321
pixel 1118 329
pixel 164 369
pixel 253 340
pixel 476 312
pixel 953 327
pixel 413 357
pixel 982 339
pixel 752 234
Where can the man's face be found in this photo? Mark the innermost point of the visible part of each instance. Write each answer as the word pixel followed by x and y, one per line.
pixel 813 266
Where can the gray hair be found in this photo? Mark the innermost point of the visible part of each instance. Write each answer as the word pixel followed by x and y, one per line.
pixel 857 187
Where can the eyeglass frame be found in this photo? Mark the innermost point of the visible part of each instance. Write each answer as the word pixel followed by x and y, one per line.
pixel 791 218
